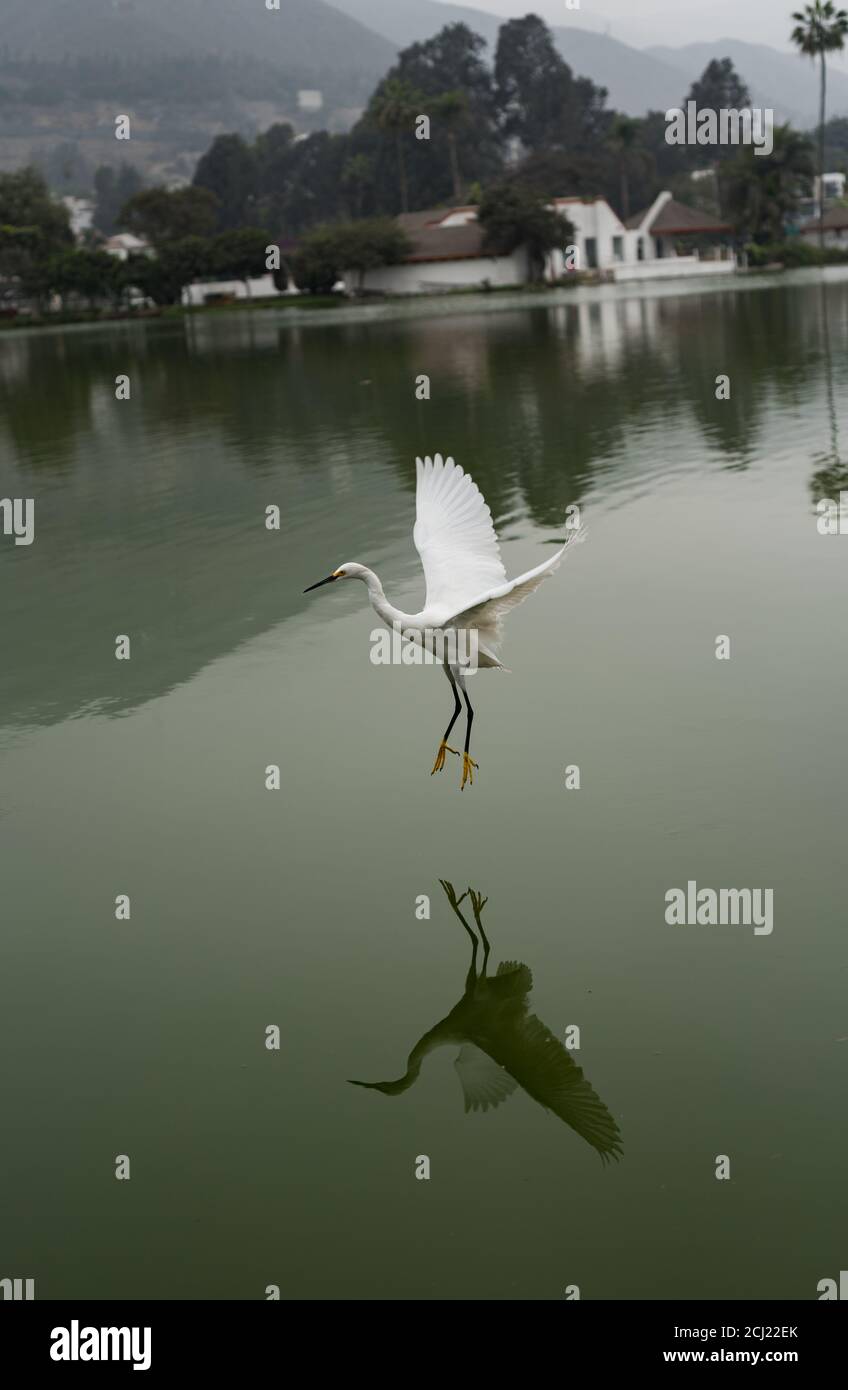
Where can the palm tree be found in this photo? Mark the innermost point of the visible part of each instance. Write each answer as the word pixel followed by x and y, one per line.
pixel 820 29
pixel 452 109
pixel 762 189
pixel 394 109
pixel 357 178
pixel 622 138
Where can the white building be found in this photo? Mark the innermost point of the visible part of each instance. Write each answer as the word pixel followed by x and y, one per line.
pixel 125 244
pixel 447 248
pixel 645 247
pixel 834 187
pixel 447 254
pixel 208 291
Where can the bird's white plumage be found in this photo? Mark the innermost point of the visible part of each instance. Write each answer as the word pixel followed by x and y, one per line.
pixel 467 587
pixel 486 616
pixel 455 537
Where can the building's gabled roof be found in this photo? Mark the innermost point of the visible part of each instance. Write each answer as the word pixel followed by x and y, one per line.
pixel 431 241
pixel 676 219
pixel 834 220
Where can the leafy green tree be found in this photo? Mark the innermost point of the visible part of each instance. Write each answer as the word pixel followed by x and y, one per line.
pixel 358 180
pixel 112 190
pixel 393 111
pixel 719 88
pixel 541 102
pixel 316 264
pixel 229 171
pixel 364 246
pixel 25 201
pixel 450 62
pixel 93 275
pixel 623 139
pixel 313 191
pixel 326 253
pixel 512 217
pixel 164 216
pixel 163 277
pixel 239 254
pixel 33 228
pixel 820 29
pixel 763 189
pixel 452 112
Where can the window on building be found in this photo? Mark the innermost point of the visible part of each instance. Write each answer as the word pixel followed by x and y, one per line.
pixel 640 248
pixel 592 253
pixel 618 248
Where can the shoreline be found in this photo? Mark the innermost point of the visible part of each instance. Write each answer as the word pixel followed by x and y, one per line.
pixel 334 309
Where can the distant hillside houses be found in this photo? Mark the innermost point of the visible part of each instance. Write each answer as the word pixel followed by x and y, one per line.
pixel 447 248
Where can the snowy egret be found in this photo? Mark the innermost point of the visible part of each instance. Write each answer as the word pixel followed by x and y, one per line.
pixel 502 1046
pixel 467 592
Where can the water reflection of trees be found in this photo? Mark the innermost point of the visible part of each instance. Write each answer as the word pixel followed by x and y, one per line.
pixel 831 475
pixel 534 400
pixel 152 505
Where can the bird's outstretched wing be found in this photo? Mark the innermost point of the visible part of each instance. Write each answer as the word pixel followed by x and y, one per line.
pixel 547 1071
pixel 454 536
pixel 487 614
pixel 484 1083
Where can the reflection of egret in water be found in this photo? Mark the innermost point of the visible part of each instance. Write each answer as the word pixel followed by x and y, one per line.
pixel 832 478
pixel 502 1046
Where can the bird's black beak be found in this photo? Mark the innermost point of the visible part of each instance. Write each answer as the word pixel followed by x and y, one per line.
pixel 328 580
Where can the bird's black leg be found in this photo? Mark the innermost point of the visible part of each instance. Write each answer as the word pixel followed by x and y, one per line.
pixel 444 747
pixel 471 978
pixel 467 763
pixel 478 902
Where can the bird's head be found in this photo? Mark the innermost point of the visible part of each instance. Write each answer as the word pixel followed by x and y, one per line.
pixel 350 570
pixel 388 1088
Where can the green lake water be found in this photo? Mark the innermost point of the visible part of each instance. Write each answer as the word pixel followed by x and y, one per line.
pixel 300 908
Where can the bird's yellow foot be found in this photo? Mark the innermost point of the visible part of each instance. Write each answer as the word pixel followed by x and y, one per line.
pixel 440 756
pixel 467 774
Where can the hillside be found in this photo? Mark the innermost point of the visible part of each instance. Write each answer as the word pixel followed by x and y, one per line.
pixel 408 21
pixel 636 81
pixel 783 81
pixel 185 70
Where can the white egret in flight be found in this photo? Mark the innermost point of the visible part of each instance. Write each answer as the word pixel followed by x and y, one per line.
pixel 468 594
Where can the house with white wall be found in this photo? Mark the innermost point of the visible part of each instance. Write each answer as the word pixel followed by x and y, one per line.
pixel 125 244
pixel 447 248
pixel 663 236
pixel 645 247
pixel 446 254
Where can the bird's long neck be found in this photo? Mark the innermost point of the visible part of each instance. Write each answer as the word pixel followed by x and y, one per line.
pixel 380 603
pixel 430 1041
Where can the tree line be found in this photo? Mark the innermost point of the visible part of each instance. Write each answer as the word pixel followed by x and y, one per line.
pixel 507 136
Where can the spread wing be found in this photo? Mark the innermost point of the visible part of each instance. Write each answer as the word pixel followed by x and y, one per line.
pixel 487 614
pixel 454 536
pixel 483 1082
pixel 546 1070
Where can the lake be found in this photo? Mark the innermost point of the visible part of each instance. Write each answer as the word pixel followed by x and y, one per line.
pixel 316 909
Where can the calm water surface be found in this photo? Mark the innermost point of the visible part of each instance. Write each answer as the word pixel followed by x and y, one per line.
pixel 297 908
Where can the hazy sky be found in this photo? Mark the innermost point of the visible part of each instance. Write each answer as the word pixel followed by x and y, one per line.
pixel 644 22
